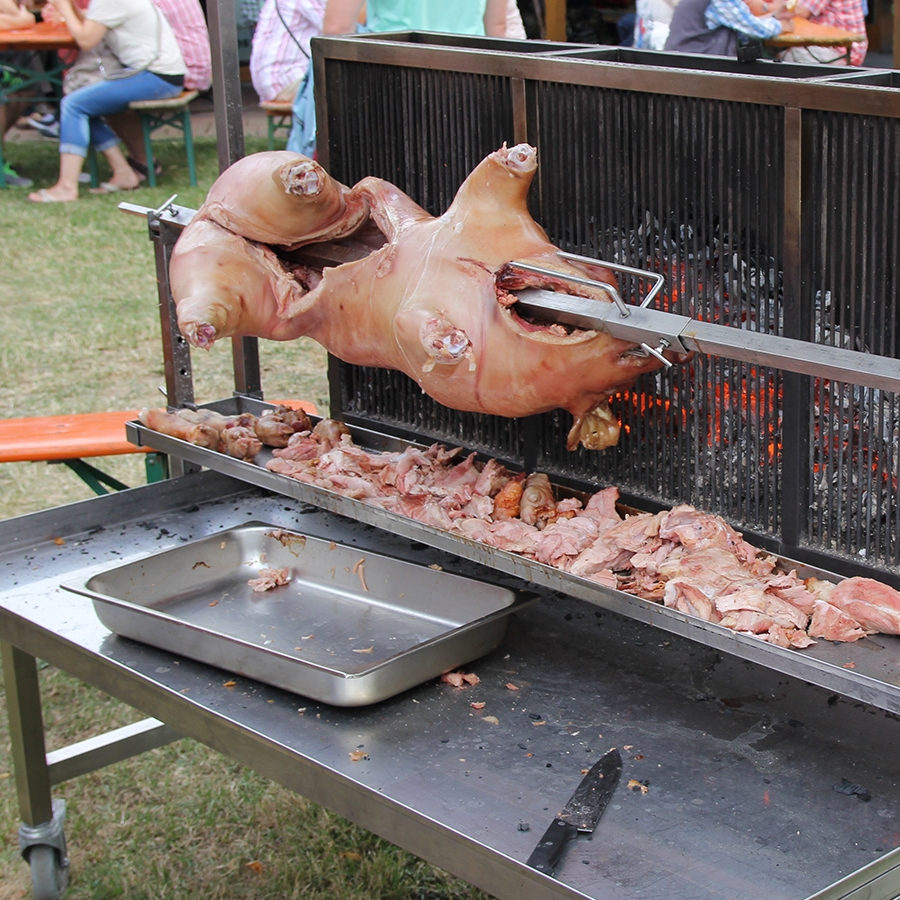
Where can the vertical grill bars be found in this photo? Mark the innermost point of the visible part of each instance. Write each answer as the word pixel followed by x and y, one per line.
pixel 853 273
pixel 693 186
pixel 681 186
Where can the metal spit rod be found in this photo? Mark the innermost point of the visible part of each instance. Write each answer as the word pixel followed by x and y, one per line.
pixel 657 331
pixel 652 329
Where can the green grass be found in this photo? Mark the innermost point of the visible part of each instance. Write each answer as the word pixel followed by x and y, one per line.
pixel 79 332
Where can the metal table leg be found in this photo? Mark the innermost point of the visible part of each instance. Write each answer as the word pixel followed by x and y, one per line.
pixel 41 837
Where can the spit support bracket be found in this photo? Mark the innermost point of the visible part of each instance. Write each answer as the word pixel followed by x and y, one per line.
pixel 169 212
pixel 655 331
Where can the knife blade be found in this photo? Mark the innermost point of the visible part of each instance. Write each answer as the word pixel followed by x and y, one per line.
pixel 581 813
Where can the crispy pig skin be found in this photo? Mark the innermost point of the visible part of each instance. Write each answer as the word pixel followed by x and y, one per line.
pixel 177 426
pixel 433 301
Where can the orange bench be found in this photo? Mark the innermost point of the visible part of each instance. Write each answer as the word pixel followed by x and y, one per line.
pixel 70 439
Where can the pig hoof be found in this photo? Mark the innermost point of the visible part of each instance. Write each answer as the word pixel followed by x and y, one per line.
pixel 521 158
pixel 596 430
pixel 200 336
pixel 305 179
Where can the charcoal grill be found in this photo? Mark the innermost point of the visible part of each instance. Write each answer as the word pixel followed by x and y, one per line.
pixel 784 233
pixel 763 192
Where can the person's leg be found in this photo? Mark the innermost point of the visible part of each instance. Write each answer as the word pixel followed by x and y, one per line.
pixel 66 187
pixel 105 136
pixel 127 125
pixel 287 94
pixel 81 125
pixel 74 131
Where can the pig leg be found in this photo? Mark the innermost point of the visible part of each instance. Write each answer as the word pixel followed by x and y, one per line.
pixel 596 429
pixel 284 199
pixel 224 285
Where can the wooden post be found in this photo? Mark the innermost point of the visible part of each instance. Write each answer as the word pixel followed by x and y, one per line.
pixel 555 19
pixel 896 41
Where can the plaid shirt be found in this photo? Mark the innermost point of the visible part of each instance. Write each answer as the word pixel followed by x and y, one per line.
pixel 276 61
pixel 736 15
pixel 846 14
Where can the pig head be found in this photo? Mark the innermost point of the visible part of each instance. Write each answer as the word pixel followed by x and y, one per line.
pixel 433 298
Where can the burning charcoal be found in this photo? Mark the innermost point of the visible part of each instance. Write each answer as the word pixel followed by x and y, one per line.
pixel 847 787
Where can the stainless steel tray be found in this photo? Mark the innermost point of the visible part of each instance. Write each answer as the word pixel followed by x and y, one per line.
pixel 868 670
pixel 349 628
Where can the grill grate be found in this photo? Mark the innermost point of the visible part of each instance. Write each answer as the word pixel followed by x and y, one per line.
pixel 763 210
pixel 421 130
pixel 855 243
pixel 686 187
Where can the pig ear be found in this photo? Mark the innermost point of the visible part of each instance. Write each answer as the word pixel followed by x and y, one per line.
pixel 595 430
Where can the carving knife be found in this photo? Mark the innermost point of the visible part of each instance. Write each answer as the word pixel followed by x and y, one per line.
pixel 581 814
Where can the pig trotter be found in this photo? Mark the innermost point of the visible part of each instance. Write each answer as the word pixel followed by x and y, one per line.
pixel 596 430
pixel 200 336
pixel 305 179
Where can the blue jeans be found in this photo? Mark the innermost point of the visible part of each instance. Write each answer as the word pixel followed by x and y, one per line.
pixel 79 113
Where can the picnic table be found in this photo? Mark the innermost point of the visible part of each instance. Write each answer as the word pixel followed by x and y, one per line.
pixel 40 37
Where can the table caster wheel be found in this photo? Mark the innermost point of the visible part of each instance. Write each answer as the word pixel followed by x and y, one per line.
pixel 49 878
pixel 44 849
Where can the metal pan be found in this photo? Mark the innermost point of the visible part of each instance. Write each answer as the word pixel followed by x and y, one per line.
pixel 349 627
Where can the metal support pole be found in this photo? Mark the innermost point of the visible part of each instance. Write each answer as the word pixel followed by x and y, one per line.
pixel 226 74
pixel 226 71
pixel 796 388
pixel 176 350
pixel 26 729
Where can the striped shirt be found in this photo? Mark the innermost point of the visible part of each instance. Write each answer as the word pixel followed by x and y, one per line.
pixel 846 14
pixel 188 23
pixel 276 62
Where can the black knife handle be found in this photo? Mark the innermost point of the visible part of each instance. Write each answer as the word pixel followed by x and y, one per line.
pixel 547 854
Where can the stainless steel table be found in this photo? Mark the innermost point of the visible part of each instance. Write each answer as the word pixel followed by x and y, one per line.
pixel 730 769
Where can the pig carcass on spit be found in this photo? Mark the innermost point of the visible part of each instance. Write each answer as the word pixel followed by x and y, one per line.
pixel 431 299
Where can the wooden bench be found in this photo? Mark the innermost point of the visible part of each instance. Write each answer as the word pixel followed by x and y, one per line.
pixel 174 112
pixel 71 439
pixel 278 113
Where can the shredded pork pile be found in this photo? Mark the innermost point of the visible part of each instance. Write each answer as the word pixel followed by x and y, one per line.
pixel 689 560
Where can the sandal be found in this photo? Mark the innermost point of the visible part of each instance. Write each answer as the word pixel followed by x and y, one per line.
pixel 107 187
pixel 141 169
pixel 44 196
